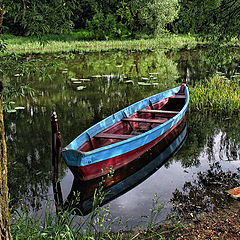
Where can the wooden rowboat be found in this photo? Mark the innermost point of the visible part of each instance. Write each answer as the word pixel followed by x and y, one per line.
pixel 124 136
pixel 81 196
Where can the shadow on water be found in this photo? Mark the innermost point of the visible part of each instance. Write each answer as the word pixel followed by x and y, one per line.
pixel 122 180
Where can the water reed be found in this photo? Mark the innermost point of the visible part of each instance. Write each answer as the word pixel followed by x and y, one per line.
pixel 218 95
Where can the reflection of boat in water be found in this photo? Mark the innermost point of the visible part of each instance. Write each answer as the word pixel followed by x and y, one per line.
pixel 82 193
pixel 126 135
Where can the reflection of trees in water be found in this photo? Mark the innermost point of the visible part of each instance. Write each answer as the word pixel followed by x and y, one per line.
pixel 193 66
pixel 216 138
pixel 203 62
pixel 223 58
pixel 29 159
pixel 205 193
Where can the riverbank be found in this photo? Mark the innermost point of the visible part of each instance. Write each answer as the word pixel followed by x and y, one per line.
pixel 222 224
pixel 62 43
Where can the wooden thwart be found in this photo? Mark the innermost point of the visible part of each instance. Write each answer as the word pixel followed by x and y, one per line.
pixel 182 96
pixel 157 111
pixel 159 121
pixel 113 136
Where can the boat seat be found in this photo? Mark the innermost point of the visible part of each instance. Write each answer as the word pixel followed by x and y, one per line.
pixel 159 121
pixel 157 111
pixel 113 136
pixel 178 96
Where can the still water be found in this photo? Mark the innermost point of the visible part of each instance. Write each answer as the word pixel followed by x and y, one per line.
pixel 85 88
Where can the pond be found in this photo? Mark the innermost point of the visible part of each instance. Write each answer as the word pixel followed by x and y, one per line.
pixel 84 89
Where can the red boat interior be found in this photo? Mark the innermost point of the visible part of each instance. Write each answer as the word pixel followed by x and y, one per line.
pixel 137 123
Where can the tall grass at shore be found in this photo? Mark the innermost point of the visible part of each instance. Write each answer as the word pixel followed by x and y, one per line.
pixel 218 95
pixel 70 43
pixel 64 224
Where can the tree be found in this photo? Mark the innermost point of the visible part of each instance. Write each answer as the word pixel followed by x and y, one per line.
pixel 1 18
pixel 4 210
pixel 39 17
pixel 150 16
pixel 213 19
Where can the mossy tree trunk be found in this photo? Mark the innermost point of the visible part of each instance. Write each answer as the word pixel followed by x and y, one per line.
pixel 4 210
pixel 1 17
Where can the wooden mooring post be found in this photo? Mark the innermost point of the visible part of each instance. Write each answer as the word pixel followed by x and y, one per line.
pixel 56 161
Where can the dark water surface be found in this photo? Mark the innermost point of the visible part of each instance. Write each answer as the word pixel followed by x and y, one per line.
pixel 85 88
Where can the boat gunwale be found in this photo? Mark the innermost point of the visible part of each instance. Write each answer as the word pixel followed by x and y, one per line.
pixel 108 147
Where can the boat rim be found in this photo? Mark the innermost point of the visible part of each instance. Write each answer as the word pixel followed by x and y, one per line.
pixel 104 148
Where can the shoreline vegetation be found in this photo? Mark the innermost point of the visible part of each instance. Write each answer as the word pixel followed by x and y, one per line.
pixel 62 43
pixel 218 95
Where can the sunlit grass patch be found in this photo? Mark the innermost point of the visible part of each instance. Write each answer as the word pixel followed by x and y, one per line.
pixel 70 43
pixel 218 95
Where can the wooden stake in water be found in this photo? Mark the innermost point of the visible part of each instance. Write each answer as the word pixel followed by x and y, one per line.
pixel 56 160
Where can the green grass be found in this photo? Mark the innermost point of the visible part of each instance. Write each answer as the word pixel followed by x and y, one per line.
pixel 65 225
pixel 97 225
pixel 218 95
pixel 72 42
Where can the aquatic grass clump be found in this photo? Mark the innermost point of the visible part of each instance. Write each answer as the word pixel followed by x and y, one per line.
pixel 218 95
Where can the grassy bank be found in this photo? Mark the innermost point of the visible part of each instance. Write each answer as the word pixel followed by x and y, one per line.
pixel 97 225
pixel 69 43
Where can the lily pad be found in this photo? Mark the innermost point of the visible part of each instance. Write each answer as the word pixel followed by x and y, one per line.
pixel 19 108
pixel 96 76
pixel 12 111
pixel 85 79
pixel 79 88
pixel 74 79
pixel 129 81
pixel 144 84
pixel 17 75
pixel 77 82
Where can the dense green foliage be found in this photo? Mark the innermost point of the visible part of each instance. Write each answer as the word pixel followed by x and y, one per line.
pixel 217 19
pixel 214 19
pixel 38 17
pixel 106 19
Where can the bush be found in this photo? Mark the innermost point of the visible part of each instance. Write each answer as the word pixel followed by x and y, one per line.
pixel 106 27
